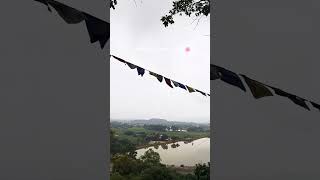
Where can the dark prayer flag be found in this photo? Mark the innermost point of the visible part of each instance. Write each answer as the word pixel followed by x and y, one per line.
pixel 176 84
pixel 140 71
pixel 159 77
pixel 297 100
pixel 98 29
pixel 132 66
pixel 45 2
pixel 230 77
pixel 214 73
pixel 315 105
pixel 182 86
pixel 201 92
pixel 258 89
pixel 300 101
pixel 191 90
pixel 69 14
pixel 168 82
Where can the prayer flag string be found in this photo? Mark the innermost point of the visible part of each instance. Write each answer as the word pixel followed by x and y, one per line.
pixel 171 83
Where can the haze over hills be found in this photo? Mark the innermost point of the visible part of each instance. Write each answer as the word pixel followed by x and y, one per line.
pixel 157 121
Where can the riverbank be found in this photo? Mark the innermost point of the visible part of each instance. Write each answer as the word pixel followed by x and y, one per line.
pixel 138 136
pixel 187 155
pixel 159 143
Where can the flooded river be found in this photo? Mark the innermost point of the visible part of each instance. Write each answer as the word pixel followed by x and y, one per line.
pixel 189 154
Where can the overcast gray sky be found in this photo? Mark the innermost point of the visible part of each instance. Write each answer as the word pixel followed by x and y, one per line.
pixel 137 35
pixel 275 42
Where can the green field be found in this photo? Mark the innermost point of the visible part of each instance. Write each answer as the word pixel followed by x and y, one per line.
pixel 140 141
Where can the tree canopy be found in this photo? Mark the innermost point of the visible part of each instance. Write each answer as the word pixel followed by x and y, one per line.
pixel 197 8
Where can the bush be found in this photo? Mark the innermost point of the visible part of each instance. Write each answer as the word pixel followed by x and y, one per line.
pixel 157 173
pixel 117 177
pixel 129 133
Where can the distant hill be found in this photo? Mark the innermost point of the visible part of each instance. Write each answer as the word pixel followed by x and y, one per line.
pixel 153 121
pixel 157 121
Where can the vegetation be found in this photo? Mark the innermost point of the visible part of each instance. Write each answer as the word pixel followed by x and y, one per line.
pixel 156 127
pixel 202 170
pixel 198 8
pixel 148 166
pixel 140 136
pixel 126 166
pixel 121 146
pixel 113 3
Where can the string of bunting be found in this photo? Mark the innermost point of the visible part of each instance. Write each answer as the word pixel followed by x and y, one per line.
pixel 171 83
pixel 99 30
pixel 258 89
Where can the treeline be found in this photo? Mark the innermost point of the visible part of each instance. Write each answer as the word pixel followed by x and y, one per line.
pixel 143 135
pixel 163 128
pixel 120 146
pixel 152 127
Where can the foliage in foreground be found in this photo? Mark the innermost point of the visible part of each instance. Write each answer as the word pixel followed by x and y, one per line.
pixel 198 8
pixel 148 167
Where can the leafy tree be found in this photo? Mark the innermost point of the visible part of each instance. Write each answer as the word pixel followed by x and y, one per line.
pixel 198 8
pixel 120 145
pixel 156 127
pixel 195 129
pixel 140 140
pixel 173 145
pixel 156 173
pixel 135 178
pixel 164 137
pixel 151 157
pixel 146 168
pixel 132 154
pixel 125 165
pixel 202 170
pixel 141 134
pixel 164 146
pixel 174 138
pixel 129 133
pixel 190 177
pixel 117 177
pixel 174 128
pixel 113 3
pixel 156 146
